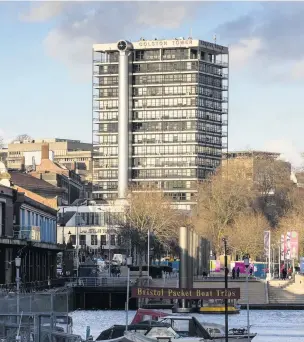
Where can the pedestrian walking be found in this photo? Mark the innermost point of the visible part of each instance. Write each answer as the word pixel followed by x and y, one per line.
pixel 238 273
pixel 233 273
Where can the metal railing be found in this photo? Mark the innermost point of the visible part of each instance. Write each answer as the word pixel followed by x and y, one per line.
pixel 105 281
pixel 32 286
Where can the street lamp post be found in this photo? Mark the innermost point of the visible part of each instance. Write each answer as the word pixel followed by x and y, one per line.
pixel 18 264
pixel 246 263
pixel 148 257
pixel 226 288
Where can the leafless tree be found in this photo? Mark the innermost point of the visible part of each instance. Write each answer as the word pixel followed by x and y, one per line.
pixel 246 234
pixel 1 142
pixel 23 137
pixel 221 200
pixel 147 212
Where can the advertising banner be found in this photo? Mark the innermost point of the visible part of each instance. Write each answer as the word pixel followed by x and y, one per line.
pixel 215 266
pixel 241 266
pixel 302 265
pixel 287 244
pixel 266 243
pixel 294 245
pixel 283 247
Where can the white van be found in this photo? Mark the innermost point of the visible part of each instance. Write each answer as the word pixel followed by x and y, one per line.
pixel 119 259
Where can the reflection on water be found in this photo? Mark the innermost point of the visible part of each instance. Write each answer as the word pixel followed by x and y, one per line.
pixel 271 326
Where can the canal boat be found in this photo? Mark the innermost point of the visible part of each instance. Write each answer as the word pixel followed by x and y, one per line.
pixel 169 328
pixel 217 306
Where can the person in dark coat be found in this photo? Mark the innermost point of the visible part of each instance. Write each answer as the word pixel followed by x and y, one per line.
pixel 233 273
pixel 238 272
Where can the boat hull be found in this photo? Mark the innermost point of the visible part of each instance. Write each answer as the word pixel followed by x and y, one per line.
pixel 218 310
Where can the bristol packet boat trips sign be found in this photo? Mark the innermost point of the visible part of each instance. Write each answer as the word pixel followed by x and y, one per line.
pixel 174 293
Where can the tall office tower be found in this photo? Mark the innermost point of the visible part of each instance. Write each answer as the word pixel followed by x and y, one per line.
pixel 160 111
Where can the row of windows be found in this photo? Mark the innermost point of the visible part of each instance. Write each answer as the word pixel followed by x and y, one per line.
pixel 164 67
pixel 175 126
pixel 173 161
pixel 175 149
pixel 177 102
pixel 98 219
pixel 167 185
pixel 108 80
pixel 174 138
pixel 107 57
pixel 108 139
pixel 106 163
pixel 164 91
pixel 108 116
pixel 108 127
pixel 173 78
pixel 109 196
pixel 176 90
pixel 166 102
pixel 107 174
pixel 95 240
pixel 146 55
pixel 108 92
pixel 151 150
pixel 163 126
pixel 108 151
pixel 165 173
pixel 175 113
pixel 177 78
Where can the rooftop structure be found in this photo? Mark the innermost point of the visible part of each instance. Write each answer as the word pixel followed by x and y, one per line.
pixel 73 154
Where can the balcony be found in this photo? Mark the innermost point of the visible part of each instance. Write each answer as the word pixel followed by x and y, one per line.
pixel 28 233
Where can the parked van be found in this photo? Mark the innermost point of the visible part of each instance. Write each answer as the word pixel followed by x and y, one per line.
pixel 119 259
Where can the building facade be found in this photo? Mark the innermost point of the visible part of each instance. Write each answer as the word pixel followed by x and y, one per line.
pixel 28 230
pixel 159 115
pixel 73 154
pixel 91 227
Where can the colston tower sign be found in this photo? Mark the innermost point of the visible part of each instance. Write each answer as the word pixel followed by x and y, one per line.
pixel 173 43
pixel 175 293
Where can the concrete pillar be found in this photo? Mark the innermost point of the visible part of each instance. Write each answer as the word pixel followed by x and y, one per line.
pixel 183 264
pixel 190 259
pixel 183 267
pixel 123 124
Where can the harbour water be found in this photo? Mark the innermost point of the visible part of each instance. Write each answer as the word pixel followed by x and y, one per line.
pixel 271 326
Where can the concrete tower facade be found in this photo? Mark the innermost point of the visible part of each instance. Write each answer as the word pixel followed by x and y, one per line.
pixel 160 115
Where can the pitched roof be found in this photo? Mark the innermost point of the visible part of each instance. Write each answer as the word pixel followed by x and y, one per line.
pixel 49 202
pixel 67 216
pixel 29 182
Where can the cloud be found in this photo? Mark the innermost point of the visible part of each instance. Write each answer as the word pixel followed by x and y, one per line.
pixel 242 52
pixel 297 70
pixel 87 23
pixel 43 11
pixel 289 152
pixel 277 34
pixel 163 14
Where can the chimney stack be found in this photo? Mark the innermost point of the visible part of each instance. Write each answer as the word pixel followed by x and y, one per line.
pixel 45 150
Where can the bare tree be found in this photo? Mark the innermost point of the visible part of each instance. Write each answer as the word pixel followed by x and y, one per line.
pixel 23 137
pixel 246 234
pixel 221 199
pixel 147 212
pixel 1 142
